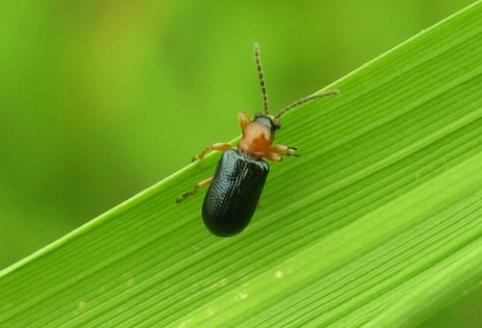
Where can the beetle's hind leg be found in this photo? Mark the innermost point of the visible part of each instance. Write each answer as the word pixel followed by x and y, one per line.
pixel 198 185
pixel 216 146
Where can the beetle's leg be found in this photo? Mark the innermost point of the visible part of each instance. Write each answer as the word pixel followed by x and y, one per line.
pixel 275 153
pixel 216 146
pixel 272 156
pixel 244 119
pixel 283 150
pixel 198 185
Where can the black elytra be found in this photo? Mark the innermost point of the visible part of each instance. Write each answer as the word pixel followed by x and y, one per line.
pixel 234 192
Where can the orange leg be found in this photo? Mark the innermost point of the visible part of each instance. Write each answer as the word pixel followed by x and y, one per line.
pixel 244 119
pixel 195 190
pixel 216 146
pixel 276 152
pixel 272 157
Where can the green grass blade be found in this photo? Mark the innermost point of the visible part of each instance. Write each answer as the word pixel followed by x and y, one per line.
pixel 377 224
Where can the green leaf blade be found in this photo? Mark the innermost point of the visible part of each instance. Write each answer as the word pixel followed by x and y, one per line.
pixel 377 224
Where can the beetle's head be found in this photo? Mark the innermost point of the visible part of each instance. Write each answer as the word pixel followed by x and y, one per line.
pixel 269 122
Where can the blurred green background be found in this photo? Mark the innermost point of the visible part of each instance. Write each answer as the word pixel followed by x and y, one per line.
pixel 100 100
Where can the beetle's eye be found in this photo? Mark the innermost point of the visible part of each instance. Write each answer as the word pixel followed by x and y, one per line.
pixel 277 125
pixel 258 114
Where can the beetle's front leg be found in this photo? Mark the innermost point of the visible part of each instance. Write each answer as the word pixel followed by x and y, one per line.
pixel 280 150
pixel 216 146
pixel 244 119
pixel 198 185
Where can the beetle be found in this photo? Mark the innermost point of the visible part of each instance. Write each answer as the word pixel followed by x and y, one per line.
pixel 241 173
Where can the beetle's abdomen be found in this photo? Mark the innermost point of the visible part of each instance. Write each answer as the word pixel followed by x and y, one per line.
pixel 234 193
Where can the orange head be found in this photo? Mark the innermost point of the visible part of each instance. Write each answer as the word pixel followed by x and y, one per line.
pixel 258 135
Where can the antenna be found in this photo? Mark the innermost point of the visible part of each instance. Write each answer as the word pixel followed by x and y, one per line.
pixel 261 78
pixel 302 101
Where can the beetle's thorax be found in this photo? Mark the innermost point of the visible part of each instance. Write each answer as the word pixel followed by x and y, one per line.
pixel 258 136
